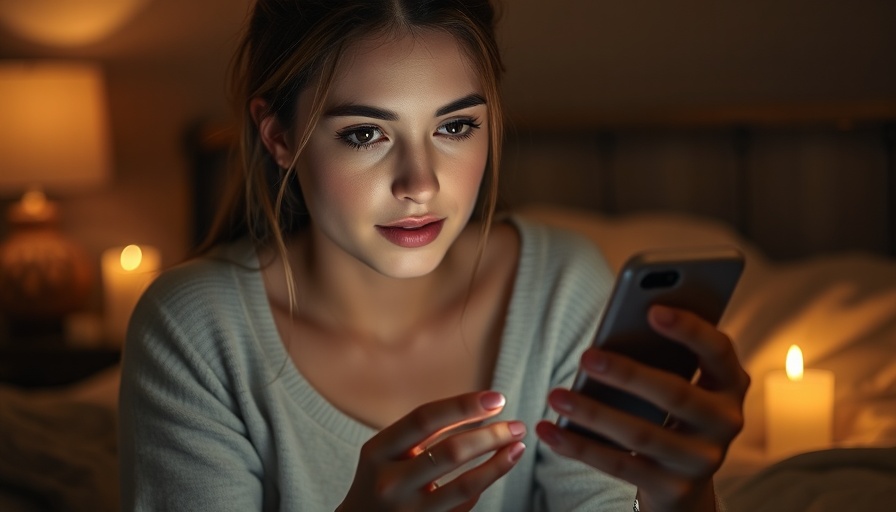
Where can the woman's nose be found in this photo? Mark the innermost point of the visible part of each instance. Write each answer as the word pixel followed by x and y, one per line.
pixel 415 177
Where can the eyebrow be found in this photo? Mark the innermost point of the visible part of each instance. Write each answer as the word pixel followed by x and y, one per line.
pixel 353 109
pixel 470 100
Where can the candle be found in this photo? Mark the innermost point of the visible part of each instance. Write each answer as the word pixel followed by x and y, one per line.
pixel 126 274
pixel 799 408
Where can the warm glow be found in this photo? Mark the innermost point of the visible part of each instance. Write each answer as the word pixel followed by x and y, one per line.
pixel 799 408
pixel 34 202
pixel 127 271
pixel 794 363
pixel 67 22
pixel 55 131
pixel 131 256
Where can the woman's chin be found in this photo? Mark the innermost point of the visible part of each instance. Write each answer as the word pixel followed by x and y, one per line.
pixel 410 266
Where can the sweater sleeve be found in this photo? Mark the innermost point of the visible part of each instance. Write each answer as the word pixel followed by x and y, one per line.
pixel 183 443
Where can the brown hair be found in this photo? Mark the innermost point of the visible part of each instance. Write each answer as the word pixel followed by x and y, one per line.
pixel 291 45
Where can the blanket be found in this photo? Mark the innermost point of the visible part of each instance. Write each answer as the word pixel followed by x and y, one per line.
pixel 56 453
pixel 823 481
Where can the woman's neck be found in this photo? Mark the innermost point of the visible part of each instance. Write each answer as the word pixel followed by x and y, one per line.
pixel 336 291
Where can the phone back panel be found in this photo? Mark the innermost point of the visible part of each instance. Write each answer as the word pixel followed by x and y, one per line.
pixel 700 281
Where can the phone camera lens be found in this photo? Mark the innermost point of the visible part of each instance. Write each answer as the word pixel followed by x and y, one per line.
pixel 665 279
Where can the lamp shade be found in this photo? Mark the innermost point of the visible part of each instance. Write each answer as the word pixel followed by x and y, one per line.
pixel 54 130
pixel 67 22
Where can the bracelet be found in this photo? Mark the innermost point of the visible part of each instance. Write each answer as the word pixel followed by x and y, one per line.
pixel 635 507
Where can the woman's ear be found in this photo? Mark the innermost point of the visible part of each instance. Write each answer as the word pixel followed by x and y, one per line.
pixel 273 135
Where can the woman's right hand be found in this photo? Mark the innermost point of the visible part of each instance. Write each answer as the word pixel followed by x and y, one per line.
pixel 398 466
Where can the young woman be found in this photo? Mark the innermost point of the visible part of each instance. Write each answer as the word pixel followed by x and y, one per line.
pixel 352 340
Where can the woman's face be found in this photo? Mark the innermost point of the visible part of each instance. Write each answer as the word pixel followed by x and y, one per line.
pixel 391 172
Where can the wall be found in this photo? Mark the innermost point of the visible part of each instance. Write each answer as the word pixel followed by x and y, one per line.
pixel 586 61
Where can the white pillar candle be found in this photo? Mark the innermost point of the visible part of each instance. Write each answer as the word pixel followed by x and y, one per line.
pixel 799 407
pixel 127 271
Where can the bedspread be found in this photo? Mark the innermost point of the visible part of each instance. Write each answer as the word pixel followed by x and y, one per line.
pixel 56 454
pixel 823 481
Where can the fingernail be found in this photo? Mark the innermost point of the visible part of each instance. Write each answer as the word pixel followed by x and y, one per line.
pixel 492 400
pixel 548 435
pixel 663 315
pixel 516 451
pixel 595 361
pixel 561 401
pixel 517 428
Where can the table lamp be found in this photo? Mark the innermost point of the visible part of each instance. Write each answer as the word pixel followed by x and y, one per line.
pixel 54 141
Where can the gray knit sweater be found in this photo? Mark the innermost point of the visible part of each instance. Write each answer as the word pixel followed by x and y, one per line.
pixel 214 417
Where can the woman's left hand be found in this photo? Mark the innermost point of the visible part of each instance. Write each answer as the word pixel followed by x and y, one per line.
pixel 672 466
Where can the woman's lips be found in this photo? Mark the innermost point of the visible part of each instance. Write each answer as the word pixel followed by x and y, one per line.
pixel 412 233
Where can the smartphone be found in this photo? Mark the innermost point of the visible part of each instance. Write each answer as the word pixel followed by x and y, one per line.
pixel 700 280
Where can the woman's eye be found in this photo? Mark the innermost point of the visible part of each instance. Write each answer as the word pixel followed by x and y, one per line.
pixel 361 136
pixel 459 128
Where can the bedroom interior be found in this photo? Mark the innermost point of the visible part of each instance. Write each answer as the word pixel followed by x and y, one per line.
pixel 767 125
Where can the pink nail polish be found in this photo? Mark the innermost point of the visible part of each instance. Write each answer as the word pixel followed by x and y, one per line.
pixel 664 316
pixel 517 428
pixel 492 400
pixel 562 402
pixel 596 361
pixel 549 436
pixel 516 451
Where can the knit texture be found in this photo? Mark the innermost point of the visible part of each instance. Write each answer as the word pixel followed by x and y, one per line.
pixel 215 417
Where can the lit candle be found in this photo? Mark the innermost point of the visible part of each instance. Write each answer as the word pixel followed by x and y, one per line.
pixel 126 274
pixel 799 408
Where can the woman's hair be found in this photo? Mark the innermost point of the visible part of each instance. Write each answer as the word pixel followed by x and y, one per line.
pixel 291 45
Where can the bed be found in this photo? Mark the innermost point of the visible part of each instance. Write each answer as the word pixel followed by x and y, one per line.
pixel 57 446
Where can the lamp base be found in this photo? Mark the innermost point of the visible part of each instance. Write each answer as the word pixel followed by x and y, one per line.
pixel 43 275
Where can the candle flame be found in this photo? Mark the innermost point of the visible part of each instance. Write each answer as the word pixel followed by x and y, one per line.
pixel 131 256
pixel 794 363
